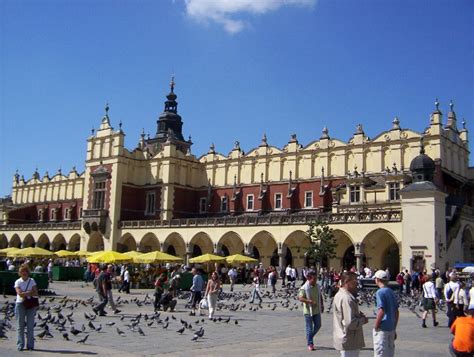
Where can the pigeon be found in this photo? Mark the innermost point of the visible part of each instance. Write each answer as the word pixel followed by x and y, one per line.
pixel 66 336
pixel 200 333
pixel 166 325
pixel 42 334
pixel 91 325
pixel 75 331
pixel 150 323
pixel 120 332
pixel 140 331
pixel 84 339
pixel 181 330
pixel 110 323
pixel 236 322
pixel 195 338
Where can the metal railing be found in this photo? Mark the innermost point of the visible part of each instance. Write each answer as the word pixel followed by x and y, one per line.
pixel 268 220
pixel 42 226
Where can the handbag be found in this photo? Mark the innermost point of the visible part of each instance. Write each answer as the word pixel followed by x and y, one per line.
pixel 30 302
pixel 203 303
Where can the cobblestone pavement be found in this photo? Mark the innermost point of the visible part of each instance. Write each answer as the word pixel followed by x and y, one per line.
pixel 265 332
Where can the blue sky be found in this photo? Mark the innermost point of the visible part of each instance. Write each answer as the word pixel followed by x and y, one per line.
pixel 242 67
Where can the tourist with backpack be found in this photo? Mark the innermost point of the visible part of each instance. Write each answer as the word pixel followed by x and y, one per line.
pixel 451 293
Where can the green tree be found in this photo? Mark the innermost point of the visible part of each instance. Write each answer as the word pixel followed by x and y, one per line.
pixel 322 243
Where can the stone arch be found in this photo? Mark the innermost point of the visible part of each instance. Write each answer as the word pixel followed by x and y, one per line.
pixel 28 241
pixel 126 243
pixel 381 250
pixel 149 243
pixel 15 241
pixel 59 243
pixel 201 243
pixel 74 243
pixel 231 242
pixel 3 241
pixel 294 247
pixel 265 245
pixel 95 243
pixel 43 242
pixel 174 245
pixel 344 258
pixel 468 244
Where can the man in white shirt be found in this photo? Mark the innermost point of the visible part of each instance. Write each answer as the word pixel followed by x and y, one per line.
pixel 451 293
pixel 232 277
pixel 429 300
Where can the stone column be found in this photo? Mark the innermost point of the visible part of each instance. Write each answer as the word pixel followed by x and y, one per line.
pixel 359 255
pixel 189 251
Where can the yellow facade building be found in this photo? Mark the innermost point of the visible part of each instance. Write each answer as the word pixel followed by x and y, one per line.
pixel 391 201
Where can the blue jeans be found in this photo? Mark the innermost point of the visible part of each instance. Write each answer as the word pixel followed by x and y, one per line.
pixel 25 317
pixel 255 294
pixel 313 324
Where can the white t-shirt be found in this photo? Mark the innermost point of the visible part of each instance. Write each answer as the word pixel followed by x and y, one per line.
pixel 126 276
pixel 454 287
pixel 429 290
pixel 23 285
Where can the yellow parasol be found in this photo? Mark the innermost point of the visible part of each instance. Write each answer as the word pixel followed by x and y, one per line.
pixel 109 257
pixel 156 257
pixel 35 252
pixel 5 251
pixel 84 253
pixel 207 258
pixel 65 253
pixel 133 254
pixel 239 259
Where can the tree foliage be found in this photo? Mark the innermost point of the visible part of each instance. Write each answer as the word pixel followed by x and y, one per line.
pixel 322 242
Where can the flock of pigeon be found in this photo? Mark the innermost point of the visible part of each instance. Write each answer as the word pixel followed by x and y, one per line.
pixel 58 316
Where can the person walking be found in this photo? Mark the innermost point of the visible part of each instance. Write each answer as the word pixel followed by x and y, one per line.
pixel 25 288
pixel 311 297
pixel 125 286
pixel 386 321
pixel 110 297
pixel 429 301
pixel 256 291
pixel 232 277
pixel 451 294
pixel 196 289
pixel 348 335
pixel 212 292
pixel 101 288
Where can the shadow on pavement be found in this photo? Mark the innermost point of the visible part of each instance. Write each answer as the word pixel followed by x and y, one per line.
pixel 69 352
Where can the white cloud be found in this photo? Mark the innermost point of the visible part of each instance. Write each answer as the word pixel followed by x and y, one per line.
pixel 223 12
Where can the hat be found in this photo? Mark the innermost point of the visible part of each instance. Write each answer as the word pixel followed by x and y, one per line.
pixel 381 274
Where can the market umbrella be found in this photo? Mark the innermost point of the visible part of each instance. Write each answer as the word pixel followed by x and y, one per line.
pixel 109 256
pixel 207 258
pixel 65 253
pixel 240 259
pixel 133 254
pixel 156 257
pixel 469 269
pixel 31 252
pixel 84 253
pixel 5 251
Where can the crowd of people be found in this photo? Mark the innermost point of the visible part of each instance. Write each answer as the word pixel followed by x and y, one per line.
pixel 313 290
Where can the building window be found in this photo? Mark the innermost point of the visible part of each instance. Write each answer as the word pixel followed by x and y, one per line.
pixel 80 213
pixel 67 214
pixel 278 201
pixel 354 194
pixel 99 195
pixel 53 214
pixel 394 191
pixel 224 204
pixel 202 205
pixel 249 202
pixel 150 204
pixel 308 199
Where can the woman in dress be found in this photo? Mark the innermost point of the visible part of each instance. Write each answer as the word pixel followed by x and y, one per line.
pixel 25 289
pixel 212 291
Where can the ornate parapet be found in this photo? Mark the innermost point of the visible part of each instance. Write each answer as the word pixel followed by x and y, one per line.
pixel 95 220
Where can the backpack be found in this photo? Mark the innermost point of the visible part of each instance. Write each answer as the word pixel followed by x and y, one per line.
pixel 449 292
